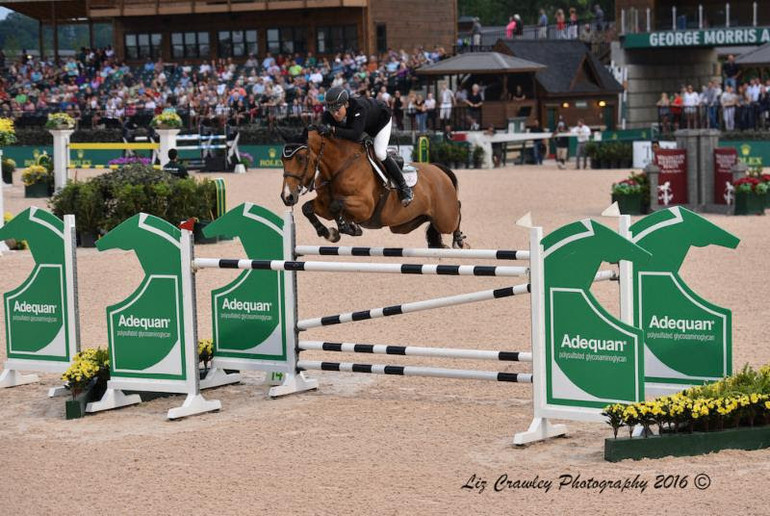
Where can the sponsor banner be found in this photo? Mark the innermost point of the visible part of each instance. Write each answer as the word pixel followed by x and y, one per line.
pixel 724 159
pixel 672 181
pixel 723 36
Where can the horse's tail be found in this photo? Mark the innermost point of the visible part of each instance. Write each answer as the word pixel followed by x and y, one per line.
pixel 448 172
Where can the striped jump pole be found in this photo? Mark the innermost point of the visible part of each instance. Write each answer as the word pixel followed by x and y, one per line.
pixel 401 252
pixel 417 306
pixel 391 268
pixel 416 351
pixel 435 372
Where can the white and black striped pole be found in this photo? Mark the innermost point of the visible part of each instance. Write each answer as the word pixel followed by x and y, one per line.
pixel 416 351
pixel 387 268
pixel 435 372
pixel 402 252
pixel 417 306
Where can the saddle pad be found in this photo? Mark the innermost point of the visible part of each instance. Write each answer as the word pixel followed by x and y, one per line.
pixel 410 175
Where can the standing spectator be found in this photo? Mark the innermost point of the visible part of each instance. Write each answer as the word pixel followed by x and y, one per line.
pixel 397 105
pixel 583 133
pixel 731 70
pixel 729 100
pixel 476 33
pixel 664 113
pixel 542 25
pixel 430 111
pixel 510 29
pixel 598 18
pixel 562 143
pixel 411 111
pixel 474 101
pixel 420 113
pixel 572 30
pixel 690 102
pixel 560 25
pixel 764 106
pixel 447 99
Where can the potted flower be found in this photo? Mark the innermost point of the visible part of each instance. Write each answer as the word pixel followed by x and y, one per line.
pixel 168 119
pixel 7 132
pixel 205 354
pixel 86 379
pixel 478 156
pixel 9 166
pixel 247 160
pixel 60 121
pixel 750 194
pixel 628 195
pixel 37 181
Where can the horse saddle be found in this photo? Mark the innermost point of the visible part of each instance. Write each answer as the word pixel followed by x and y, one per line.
pixel 409 171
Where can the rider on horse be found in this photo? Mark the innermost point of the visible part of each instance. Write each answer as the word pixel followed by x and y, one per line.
pixel 349 117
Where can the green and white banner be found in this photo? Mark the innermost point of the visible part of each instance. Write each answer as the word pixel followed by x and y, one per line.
pixel 717 37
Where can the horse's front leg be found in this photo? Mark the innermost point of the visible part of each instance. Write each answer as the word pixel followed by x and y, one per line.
pixel 345 226
pixel 309 210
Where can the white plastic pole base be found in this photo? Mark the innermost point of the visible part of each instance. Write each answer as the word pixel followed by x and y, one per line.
pixel 273 378
pixel 217 377
pixel 53 392
pixel 112 399
pixel 293 383
pixel 240 168
pixel 539 430
pixel 194 404
pixel 13 378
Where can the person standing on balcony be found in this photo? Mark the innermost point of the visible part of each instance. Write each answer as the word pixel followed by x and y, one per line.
pixel 474 101
pixel 542 25
pixel 447 99
pixel 476 33
pixel 598 18
pixel 560 25
pixel 510 29
pixel 729 100
pixel 572 29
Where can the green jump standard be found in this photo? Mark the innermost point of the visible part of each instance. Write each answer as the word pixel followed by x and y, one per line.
pixel 686 444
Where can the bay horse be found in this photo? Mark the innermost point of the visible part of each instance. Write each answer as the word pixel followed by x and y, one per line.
pixel 349 192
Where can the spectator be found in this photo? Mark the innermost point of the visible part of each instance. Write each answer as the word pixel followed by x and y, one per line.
pixel 430 111
pixel 474 102
pixel 690 101
pixel 583 133
pixel 729 101
pixel 560 24
pixel 510 29
pixel 447 102
pixel 731 71
pixel 598 18
pixel 476 33
pixel 542 25
pixel 562 143
pixel 421 114
pixel 174 167
pixel 572 31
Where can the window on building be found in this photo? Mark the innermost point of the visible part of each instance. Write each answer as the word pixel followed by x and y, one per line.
pixel 336 39
pixel 382 38
pixel 143 45
pixel 287 40
pixel 190 44
pixel 237 43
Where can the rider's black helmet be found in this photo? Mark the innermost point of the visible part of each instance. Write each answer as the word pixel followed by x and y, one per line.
pixel 336 97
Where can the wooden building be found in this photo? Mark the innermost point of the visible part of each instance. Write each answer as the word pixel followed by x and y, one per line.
pixel 197 30
pixel 574 83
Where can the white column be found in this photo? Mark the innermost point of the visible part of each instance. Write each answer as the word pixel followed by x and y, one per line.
pixel 700 16
pixel 3 247
pixel 727 14
pixel 673 18
pixel 649 23
pixel 167 142
pixel 61 156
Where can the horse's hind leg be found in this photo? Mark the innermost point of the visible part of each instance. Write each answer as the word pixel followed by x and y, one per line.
pixel 309 211
pixel 434 237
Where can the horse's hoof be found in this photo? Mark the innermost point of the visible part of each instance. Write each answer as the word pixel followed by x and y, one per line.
pixel 334 235
pixel 357 231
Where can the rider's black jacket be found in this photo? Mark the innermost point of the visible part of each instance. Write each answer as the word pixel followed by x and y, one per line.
pixel 364 115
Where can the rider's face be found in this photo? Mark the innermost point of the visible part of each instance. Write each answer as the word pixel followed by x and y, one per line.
pixel 340 114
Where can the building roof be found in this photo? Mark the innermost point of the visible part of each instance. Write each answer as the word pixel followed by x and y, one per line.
pixel 570 66
pixel 480 63
pixel 759 57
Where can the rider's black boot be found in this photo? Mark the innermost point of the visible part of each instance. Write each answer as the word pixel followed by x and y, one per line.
pixel 394 173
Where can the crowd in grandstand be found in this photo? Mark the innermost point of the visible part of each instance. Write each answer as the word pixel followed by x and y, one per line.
pixel 98 89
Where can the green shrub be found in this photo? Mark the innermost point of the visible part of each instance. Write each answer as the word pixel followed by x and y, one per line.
pixel 103 202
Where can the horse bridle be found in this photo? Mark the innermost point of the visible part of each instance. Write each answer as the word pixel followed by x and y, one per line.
pixel 303 178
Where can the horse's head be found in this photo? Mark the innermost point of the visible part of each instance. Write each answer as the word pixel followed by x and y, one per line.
pixel 298 175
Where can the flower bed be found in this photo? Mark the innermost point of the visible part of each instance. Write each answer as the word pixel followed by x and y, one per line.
pixel 632 194
pixel 7 132
pixel 725 409
pixel 751 194
pixel 60 121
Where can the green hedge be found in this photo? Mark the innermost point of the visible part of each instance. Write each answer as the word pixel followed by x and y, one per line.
pixel 101 203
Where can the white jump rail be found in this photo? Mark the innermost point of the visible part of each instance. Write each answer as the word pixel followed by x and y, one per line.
pixel 402 252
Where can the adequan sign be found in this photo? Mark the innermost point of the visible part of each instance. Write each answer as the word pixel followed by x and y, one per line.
pixel 699 38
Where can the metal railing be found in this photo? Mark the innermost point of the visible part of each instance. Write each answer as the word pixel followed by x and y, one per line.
pixel 635 20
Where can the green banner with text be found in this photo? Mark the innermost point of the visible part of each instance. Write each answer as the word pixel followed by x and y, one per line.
pixel 699 38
